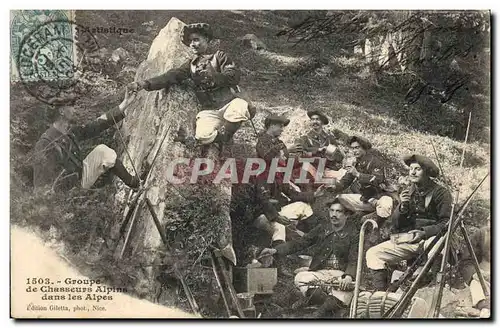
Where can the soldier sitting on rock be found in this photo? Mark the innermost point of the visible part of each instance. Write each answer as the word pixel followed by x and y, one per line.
pixel 334 262
pixel 57 154
pixel 216 79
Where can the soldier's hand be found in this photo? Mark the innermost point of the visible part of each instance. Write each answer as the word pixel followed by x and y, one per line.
pixel 320 191
pixel 352 170
pixel 267 252
pixel 405 196
pixel 297 148
pixel 283 220
pixel 418 236
pixel 344 283
pixel 129 98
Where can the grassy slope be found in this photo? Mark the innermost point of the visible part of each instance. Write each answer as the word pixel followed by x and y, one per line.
pixel 281 79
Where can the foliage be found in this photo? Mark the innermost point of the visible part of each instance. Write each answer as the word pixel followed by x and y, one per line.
pixel 438 62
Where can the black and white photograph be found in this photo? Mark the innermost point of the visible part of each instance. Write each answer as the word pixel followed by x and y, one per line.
pixel 250 164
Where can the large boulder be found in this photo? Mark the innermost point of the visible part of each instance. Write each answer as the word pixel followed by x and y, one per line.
pixel 152 116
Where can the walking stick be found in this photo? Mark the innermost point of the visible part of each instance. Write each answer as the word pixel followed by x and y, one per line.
pixel 440 280
pixel 359 266
pixel 399 307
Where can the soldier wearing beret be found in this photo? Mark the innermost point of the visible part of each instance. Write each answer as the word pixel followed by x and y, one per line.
pixel 364 181
pixel 320 143
pixel 335 258
pixel 424 209
pixel 215 77
pixel 58 154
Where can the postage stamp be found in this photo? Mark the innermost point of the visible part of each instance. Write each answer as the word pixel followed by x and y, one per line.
pixel 50 53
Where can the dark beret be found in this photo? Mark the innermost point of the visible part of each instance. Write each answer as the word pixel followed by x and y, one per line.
pixel 333 201
pixel 426 163
pixel 362 142
pixel 322 116
pixel 201 28
pixel 276 119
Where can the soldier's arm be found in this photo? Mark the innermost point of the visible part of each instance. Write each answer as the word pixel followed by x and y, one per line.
pixel 229 74
pixel 165 80
pixel 264 199
pixel 301 243
pixel 297 196
pixel 47 163
pixel 376 175
pixel 267 150
pixel 344 182
pixel 103 122
pixel 443 200
pixel 352 259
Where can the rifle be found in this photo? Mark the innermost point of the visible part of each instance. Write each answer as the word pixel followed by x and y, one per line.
pixel 137 202
pixel 440 280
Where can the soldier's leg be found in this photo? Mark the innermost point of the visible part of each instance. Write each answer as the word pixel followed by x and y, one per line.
pixel 208 123
pixel 354 203
pixel 235 113
pixel 386 253
pixel 384 206
pixel 101 159
pixel 316 295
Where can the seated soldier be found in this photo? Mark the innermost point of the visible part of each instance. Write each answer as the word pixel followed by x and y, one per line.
pixel 320 143
pixel 363 180
pixel 481 244
pixel 215 77
pixel 424 209
pixel 335 260
pixel 278 197
pixel 57 153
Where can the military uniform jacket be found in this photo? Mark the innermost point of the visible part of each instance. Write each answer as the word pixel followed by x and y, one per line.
pixel 214 87
pixel 268 147
pixel 55 151
pixel 343 244
pixel 371 177
pixel 313 140
pixel 429 210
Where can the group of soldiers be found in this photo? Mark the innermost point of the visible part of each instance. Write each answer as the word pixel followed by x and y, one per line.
pixel 419 211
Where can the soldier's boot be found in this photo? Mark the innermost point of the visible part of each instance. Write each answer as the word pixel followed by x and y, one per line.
pixel 327 303
pixel 280 262
pixel 379 279
pixel 120 171
pixel 225 134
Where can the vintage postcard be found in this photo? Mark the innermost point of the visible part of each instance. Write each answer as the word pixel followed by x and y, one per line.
pixel 250 164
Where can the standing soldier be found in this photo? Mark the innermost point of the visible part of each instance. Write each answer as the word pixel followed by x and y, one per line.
pixel 58 154
pixel 424 209
pixel 335 259
pixel 216 79
pixel 364 181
